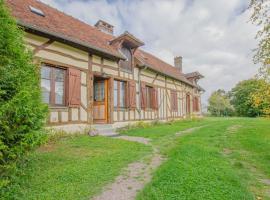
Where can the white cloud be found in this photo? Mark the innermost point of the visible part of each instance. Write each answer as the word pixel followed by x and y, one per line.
pixel 214 37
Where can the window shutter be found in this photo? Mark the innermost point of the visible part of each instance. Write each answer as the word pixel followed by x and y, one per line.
pixel 74 87
pixel 174 106
pixel 154 98
pixel 194 104
pixel 143 95
pixel 131 94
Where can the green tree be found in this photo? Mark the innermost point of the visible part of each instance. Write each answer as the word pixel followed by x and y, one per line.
pixel 22 114
pixel 242 98
pixel 219 104
pixel 261 18
pixel 261 98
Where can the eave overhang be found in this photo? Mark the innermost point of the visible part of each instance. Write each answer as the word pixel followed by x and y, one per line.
pixel 127 39
pixel 68 40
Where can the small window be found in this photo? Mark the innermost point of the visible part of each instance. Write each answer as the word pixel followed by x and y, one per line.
pixel 53 85
pixel 37 11
pixel 126 64
pixel 119 94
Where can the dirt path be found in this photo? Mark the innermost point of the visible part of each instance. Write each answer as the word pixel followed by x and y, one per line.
pixel 190 130
pixel 136 175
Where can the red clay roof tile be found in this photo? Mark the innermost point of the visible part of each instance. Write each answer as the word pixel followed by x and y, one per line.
pixel 58 22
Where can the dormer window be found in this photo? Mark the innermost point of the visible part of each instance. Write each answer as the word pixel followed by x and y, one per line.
pixel 36 11
pixel 127 63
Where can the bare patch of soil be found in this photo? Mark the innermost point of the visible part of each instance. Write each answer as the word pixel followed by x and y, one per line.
pixel 46 148
pixel 227 151
pixel 234 128
pixel 127 185
pixel 137 174
pixel 134 139
pixel 190 130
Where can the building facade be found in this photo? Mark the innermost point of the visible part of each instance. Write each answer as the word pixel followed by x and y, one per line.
pixel 90 76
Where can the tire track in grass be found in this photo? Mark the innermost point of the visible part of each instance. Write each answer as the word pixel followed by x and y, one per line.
pixel 137 174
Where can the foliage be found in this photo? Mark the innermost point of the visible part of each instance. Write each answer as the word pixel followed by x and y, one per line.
pixel 219 104
pixel 261 17
pixel 22 113
pixel 261 98
pixel 242 98
pixel 72 167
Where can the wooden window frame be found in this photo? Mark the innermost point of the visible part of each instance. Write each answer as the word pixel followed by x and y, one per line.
pixel 118 107
pixel 52 84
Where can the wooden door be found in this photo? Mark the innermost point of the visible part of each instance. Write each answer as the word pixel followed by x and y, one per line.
pixel 100 111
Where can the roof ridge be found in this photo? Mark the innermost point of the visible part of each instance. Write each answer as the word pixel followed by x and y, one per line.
pixel 114 37
pixel 156 57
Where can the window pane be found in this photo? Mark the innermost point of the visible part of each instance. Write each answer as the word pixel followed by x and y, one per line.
pixel 45 72
pixel 59 74
pixel 115 94
pixel 46 89
pixel 122 94
pixel 99 91
pixel 59 93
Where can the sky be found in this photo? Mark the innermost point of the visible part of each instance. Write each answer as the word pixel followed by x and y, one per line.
pixel 214 37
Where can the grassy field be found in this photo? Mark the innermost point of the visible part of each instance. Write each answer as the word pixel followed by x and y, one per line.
pixel 72 168
pixel 225 159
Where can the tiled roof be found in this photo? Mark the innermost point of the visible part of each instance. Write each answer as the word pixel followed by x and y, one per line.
pixel 159 65
pixel 71 29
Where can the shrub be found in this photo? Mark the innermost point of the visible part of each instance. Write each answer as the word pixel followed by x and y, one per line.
pixel 242 98
pixel 22 114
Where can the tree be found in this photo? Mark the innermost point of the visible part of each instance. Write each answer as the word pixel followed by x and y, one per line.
pixel 242 98
pixel 219 104
pixel 22 114
pixel 261 98
pixel 261 17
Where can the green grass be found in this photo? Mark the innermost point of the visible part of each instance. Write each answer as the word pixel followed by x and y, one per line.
pixel 72 168
pixel 225 159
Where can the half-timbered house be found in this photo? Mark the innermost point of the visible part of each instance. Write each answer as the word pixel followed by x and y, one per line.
pixel 91 76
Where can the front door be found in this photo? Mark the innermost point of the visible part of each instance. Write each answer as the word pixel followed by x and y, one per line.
pixel 100 111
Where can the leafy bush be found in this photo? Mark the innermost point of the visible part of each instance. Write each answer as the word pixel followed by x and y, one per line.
pixel 22 114
pixel 242 98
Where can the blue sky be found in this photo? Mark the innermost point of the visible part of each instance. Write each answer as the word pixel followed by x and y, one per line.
pixel 214 37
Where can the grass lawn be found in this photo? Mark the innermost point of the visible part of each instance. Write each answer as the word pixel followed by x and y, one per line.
pixel 226 159
pixel 72 168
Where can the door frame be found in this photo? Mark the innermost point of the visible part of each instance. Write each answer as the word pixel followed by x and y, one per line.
pixel 108 98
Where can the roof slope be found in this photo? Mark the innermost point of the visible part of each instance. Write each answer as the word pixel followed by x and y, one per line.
pixel 62 24
pixel 159 65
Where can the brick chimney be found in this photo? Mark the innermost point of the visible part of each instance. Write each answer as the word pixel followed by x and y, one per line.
pixel 178 62
pixel 104 27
